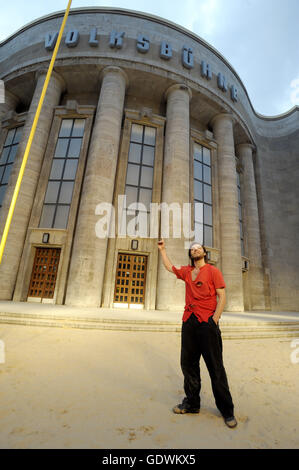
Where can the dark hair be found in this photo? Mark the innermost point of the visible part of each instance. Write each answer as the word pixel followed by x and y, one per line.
pixel 204 249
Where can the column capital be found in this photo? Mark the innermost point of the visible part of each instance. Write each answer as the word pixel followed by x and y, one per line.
pixel 113 69
pixel 43 71
pixel 222 116
pixel 245 146
pixel 11 100
pixel 177 87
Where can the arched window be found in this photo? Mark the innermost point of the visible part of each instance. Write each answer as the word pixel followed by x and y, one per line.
pixel 202 191
pixel 140 170
pixel 7 158
pixel 63 172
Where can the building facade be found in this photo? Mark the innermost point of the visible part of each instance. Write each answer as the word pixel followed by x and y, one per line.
pixel 140 110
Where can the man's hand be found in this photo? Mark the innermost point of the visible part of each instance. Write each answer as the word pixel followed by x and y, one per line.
pixel 161 244
pixel 220 304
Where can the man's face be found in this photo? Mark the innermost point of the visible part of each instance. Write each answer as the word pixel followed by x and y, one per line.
pixel 197 252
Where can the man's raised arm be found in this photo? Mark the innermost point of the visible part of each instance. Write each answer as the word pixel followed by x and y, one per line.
pixel 166 261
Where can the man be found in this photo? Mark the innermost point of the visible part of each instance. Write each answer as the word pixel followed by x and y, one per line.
pixel 201 335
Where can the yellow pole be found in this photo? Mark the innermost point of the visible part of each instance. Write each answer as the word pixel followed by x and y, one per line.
pixel 31 136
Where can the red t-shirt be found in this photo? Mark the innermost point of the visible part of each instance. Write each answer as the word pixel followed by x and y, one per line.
pixel 201 295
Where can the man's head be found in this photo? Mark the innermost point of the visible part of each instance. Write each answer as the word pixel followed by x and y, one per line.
pixel 196 252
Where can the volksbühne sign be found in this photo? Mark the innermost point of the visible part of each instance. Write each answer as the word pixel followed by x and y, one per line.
pixel 116 38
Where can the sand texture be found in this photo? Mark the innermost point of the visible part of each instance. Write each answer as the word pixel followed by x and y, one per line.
pixel 71 388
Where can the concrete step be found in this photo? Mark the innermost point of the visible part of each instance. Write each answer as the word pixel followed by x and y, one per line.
pixel 229 329
pixel 142 321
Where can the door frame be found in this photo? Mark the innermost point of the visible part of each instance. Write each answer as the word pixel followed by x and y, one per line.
pixel 41 299
pixel 128 304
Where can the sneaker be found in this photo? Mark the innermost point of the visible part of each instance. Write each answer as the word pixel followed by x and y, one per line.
pixel 231 422
pixel 184 407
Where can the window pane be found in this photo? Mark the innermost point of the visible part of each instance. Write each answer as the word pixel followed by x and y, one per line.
pixel 240 212
pixel 206 153
pixel 239 196
pixel 148 155
pixel 135 153
pixel 12 155
pixel 61 217
pixel 150 135
pixel 197 190
pixel 131 194
pixel 56 170
pixel 18 135
pixel 198 212
pixel 61 148
pixel 52 191
pixel 70 169
pixel 65 196
pixel 9 137
pixel 133 174
pixel 242 248
pixel 208 236
pixel 207 193
pixel 145 196
pixel 47 216
pixel 66 127
pixel 2 192
pixel 6 174
pixel 4 155
pixel 241 230
pixel 197 170
pixel 146 177
pixel 207 174
pixel 208 219
pixel 131 223
pixel 136 133
pixel 198 228
pixel 2 168
pixel 74 149
pixel 78 129
pixel 197 152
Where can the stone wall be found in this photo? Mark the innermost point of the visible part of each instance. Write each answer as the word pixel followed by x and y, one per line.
pixel 277 173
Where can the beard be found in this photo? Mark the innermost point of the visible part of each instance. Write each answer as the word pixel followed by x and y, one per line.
pixel 197 258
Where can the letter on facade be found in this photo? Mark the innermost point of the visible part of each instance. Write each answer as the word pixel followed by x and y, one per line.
pixel 116 39
pixel 50 41
pixel 187 57
pixel 72 38
pixel 143 43
pixel 165 51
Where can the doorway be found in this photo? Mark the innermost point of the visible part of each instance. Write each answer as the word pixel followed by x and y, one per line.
pixel 44 274
pixel 130 280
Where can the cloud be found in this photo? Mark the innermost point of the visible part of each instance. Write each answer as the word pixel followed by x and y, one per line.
pixel 294 97
pixel 259 38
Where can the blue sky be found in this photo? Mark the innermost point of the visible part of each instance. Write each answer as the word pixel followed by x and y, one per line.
pixel 259 38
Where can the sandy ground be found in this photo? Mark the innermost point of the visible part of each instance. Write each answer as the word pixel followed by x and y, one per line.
pixel 70 388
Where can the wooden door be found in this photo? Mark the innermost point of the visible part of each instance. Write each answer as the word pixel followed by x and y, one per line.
pixel 130 279
pixel 44 273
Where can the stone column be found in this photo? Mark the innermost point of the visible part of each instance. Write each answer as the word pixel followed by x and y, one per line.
pixel 252 228
pixel 89 252
pixel 17 233
pixel 175 189
pixel 231 260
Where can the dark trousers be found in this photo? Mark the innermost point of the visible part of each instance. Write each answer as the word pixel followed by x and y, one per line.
pixel 204 339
